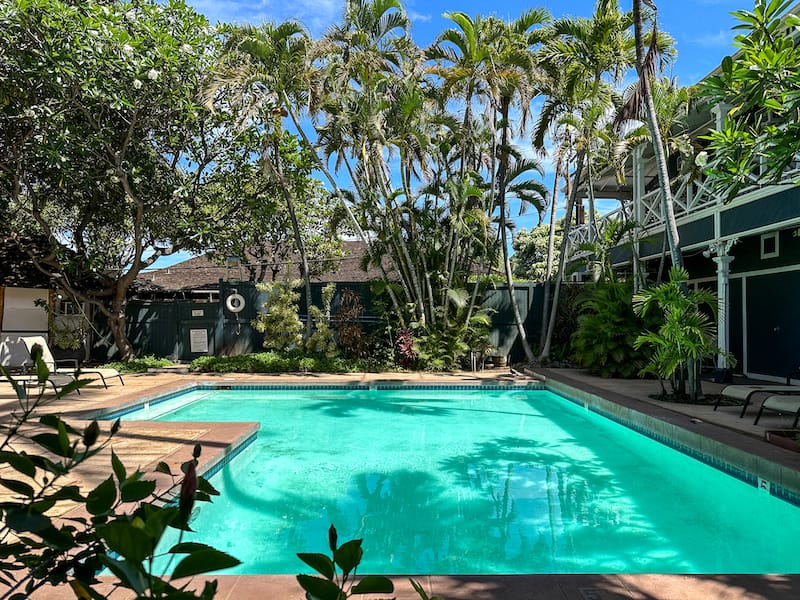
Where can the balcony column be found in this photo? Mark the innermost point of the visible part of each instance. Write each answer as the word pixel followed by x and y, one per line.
pixel 723 260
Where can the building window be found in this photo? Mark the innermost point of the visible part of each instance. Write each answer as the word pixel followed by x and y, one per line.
pixel 769 245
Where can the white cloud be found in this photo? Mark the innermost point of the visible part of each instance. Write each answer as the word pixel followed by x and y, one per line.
pixel 418 17
pixel 316 15
pixel 721 39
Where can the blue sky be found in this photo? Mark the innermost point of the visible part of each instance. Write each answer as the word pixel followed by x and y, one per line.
pixel 701 30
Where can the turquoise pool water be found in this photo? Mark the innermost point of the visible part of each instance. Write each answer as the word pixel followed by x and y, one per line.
pixel 469 482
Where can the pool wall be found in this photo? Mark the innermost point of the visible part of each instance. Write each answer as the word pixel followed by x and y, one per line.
pixel 690 436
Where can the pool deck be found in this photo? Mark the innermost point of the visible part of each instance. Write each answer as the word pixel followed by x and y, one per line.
pixel 144 444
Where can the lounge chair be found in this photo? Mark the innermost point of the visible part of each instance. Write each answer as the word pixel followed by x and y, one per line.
pixel 783 403
pixel 29 382
pixel 745 393
pixel 52 364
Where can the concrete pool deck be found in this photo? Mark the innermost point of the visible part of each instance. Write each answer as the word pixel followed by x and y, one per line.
pixel 145 444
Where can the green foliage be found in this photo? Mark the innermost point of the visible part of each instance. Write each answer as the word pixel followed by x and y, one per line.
pixel 443 345
pixel 321 341
pixel 122 521
pixel 607 331
pixel 335 585
pixel 286 362
pixel 280 322
pixel 761 84
pixel 530 252
pixel 139 365
pixel 106 157
pixel 686 336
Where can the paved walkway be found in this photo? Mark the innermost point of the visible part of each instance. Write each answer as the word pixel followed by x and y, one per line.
pixel 173 443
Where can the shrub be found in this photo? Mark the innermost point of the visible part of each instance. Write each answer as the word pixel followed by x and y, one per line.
pixel 280 322
pixel 286 362
pixel 139 365
pixel 607 330
pixel 350 334
pixel 321 341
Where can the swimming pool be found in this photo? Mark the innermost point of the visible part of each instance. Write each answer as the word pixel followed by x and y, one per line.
pixel 472 481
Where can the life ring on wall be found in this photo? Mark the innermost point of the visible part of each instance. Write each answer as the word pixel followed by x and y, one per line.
pixel 235 303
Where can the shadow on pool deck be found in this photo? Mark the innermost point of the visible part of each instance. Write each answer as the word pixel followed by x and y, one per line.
pixel 176 441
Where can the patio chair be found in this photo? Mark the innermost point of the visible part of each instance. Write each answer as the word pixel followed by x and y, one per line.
pixel 30 382
pixel 745 393
pixel 784 403
pixel 75 370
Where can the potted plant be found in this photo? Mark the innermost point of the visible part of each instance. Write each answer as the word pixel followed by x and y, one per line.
pixel 67 337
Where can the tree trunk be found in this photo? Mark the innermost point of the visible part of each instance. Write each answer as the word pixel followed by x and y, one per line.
pixel 551 248
pixel 116 323
pixel 501 196
pixel 562 261
pixel 667 205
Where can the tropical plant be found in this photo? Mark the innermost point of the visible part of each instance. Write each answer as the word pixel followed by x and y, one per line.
pixel 335 586
pixel 600 251
pixel 322 340
pixel 350 335
pixel 123 518
pixel 686 336
pixel 760 85
pixel 280 322
pixel 642 105
pixel 582 53
pixel 604 342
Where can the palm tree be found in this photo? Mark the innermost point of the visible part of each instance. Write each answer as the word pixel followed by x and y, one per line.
pixel 259 64
pixel 513 81
pixel 582 53
pixel 643 103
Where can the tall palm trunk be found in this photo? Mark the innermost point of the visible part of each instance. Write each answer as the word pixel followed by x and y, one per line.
pixel 501 197
pixel 551 247
pixel 562 260
pixel 645 74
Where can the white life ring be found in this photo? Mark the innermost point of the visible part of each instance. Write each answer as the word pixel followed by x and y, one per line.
pixel 235 303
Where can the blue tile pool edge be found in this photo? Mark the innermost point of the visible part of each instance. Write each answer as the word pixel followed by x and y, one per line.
pixel 116 412
pixel 768 476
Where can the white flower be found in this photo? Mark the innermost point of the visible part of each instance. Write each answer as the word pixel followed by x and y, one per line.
pixel 152 74
pixel 701 160
pixel 127 50
pixel 187 49
pixel 137 180
pixel 137 84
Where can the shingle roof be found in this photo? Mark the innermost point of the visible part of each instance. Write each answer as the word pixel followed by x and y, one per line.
pixel 199 273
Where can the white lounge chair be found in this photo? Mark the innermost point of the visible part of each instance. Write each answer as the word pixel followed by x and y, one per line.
pixel 785 403
pixel 52 364
pixel 745 393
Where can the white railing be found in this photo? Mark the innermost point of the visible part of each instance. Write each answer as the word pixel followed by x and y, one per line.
pixel 690 197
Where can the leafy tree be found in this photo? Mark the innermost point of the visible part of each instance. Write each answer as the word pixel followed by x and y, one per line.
pixel 582 53
pixel 261 231
pixel 531 252
pixel 105 151
pixel 642 104
pixel 760 84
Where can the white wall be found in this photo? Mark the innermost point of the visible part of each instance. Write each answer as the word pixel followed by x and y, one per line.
pixel 20 314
